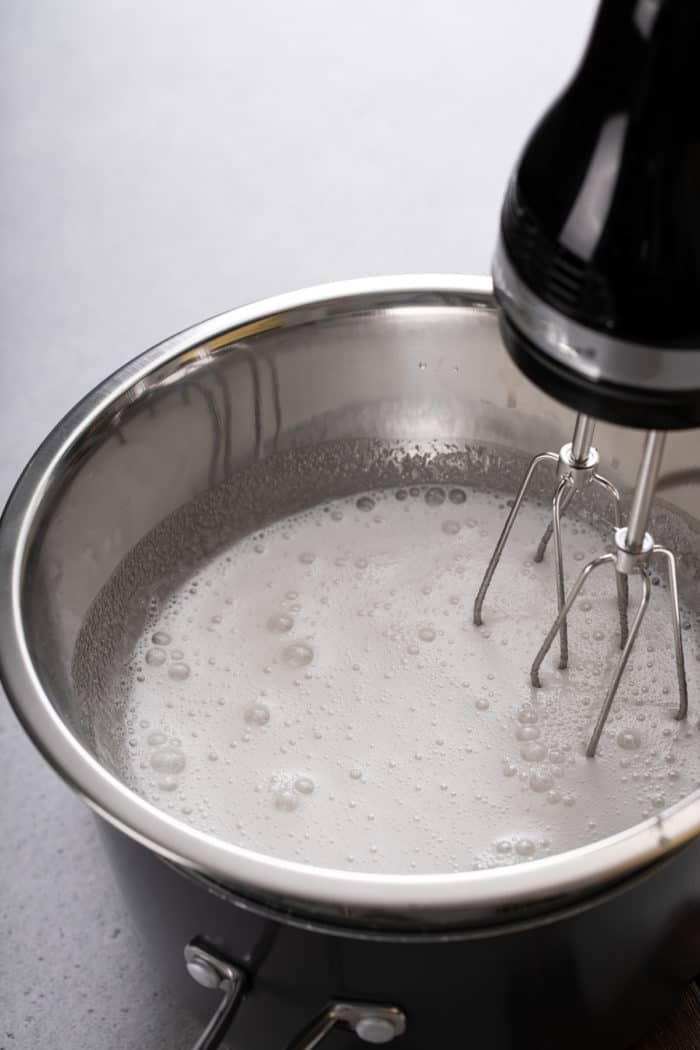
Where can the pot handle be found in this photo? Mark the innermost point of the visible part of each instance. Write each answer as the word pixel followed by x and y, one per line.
pixel 371 1022
pixel 211 970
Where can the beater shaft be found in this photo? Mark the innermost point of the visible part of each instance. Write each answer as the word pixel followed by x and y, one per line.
pixel 645 488
pixel 582 437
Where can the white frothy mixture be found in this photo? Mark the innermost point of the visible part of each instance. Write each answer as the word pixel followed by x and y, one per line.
pixel 320 693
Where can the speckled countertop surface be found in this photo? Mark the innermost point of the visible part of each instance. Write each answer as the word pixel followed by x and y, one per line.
pixel 74 971
pixel 149 180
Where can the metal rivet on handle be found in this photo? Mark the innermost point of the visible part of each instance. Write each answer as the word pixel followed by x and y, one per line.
pixel 371 1022
pixel 203 973
pixel 210 969
pixel 375 1030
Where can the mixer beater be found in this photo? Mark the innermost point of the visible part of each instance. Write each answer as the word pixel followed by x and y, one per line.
pixel 576 465
pixel 634 548
pixel 597 280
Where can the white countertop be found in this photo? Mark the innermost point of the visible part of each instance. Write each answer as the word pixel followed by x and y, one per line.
pixel 163 162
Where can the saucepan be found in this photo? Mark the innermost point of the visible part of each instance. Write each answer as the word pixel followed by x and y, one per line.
pixel 331 391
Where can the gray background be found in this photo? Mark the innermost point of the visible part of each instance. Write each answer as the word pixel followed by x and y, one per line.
pixel 162 162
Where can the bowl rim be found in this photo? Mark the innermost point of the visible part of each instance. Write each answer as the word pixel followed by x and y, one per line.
pixel 461 894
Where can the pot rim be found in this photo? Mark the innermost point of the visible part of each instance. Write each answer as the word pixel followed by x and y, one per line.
pixel 496 889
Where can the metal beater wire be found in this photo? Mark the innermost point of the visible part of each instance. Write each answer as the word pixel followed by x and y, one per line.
pixel 634 548
pixel 576 464
pixel 541 457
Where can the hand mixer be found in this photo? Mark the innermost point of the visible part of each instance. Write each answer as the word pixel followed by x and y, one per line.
pixel 597 279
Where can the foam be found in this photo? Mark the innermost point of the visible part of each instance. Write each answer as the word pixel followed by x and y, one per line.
pixel 318 691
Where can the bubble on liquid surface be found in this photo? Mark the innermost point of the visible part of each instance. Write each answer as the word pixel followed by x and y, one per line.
pixel 156 739
pixel 365 503
pixel 629 739
pixel 540 780
pixel 451 528
pixel 156 657
pixel 527 732
pixel 457 496
pixel 168 760
pixel 179 671
pixel 435 496
pixel 161 638
pixel 305 785
pixel 286 800
pixel 426 634
pixel 257 714
pixel 527 715
pixel 482 704
pixel 533 751
pixel 298 654
pixel 280 623
pixel 525 847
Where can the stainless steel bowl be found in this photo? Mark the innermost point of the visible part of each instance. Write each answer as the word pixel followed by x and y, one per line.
pixel 408 359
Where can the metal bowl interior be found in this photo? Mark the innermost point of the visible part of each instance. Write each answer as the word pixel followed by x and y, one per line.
pixel 412 361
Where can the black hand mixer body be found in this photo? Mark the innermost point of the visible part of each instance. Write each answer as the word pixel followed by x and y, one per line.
pixel 597 272
pixel 597 278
